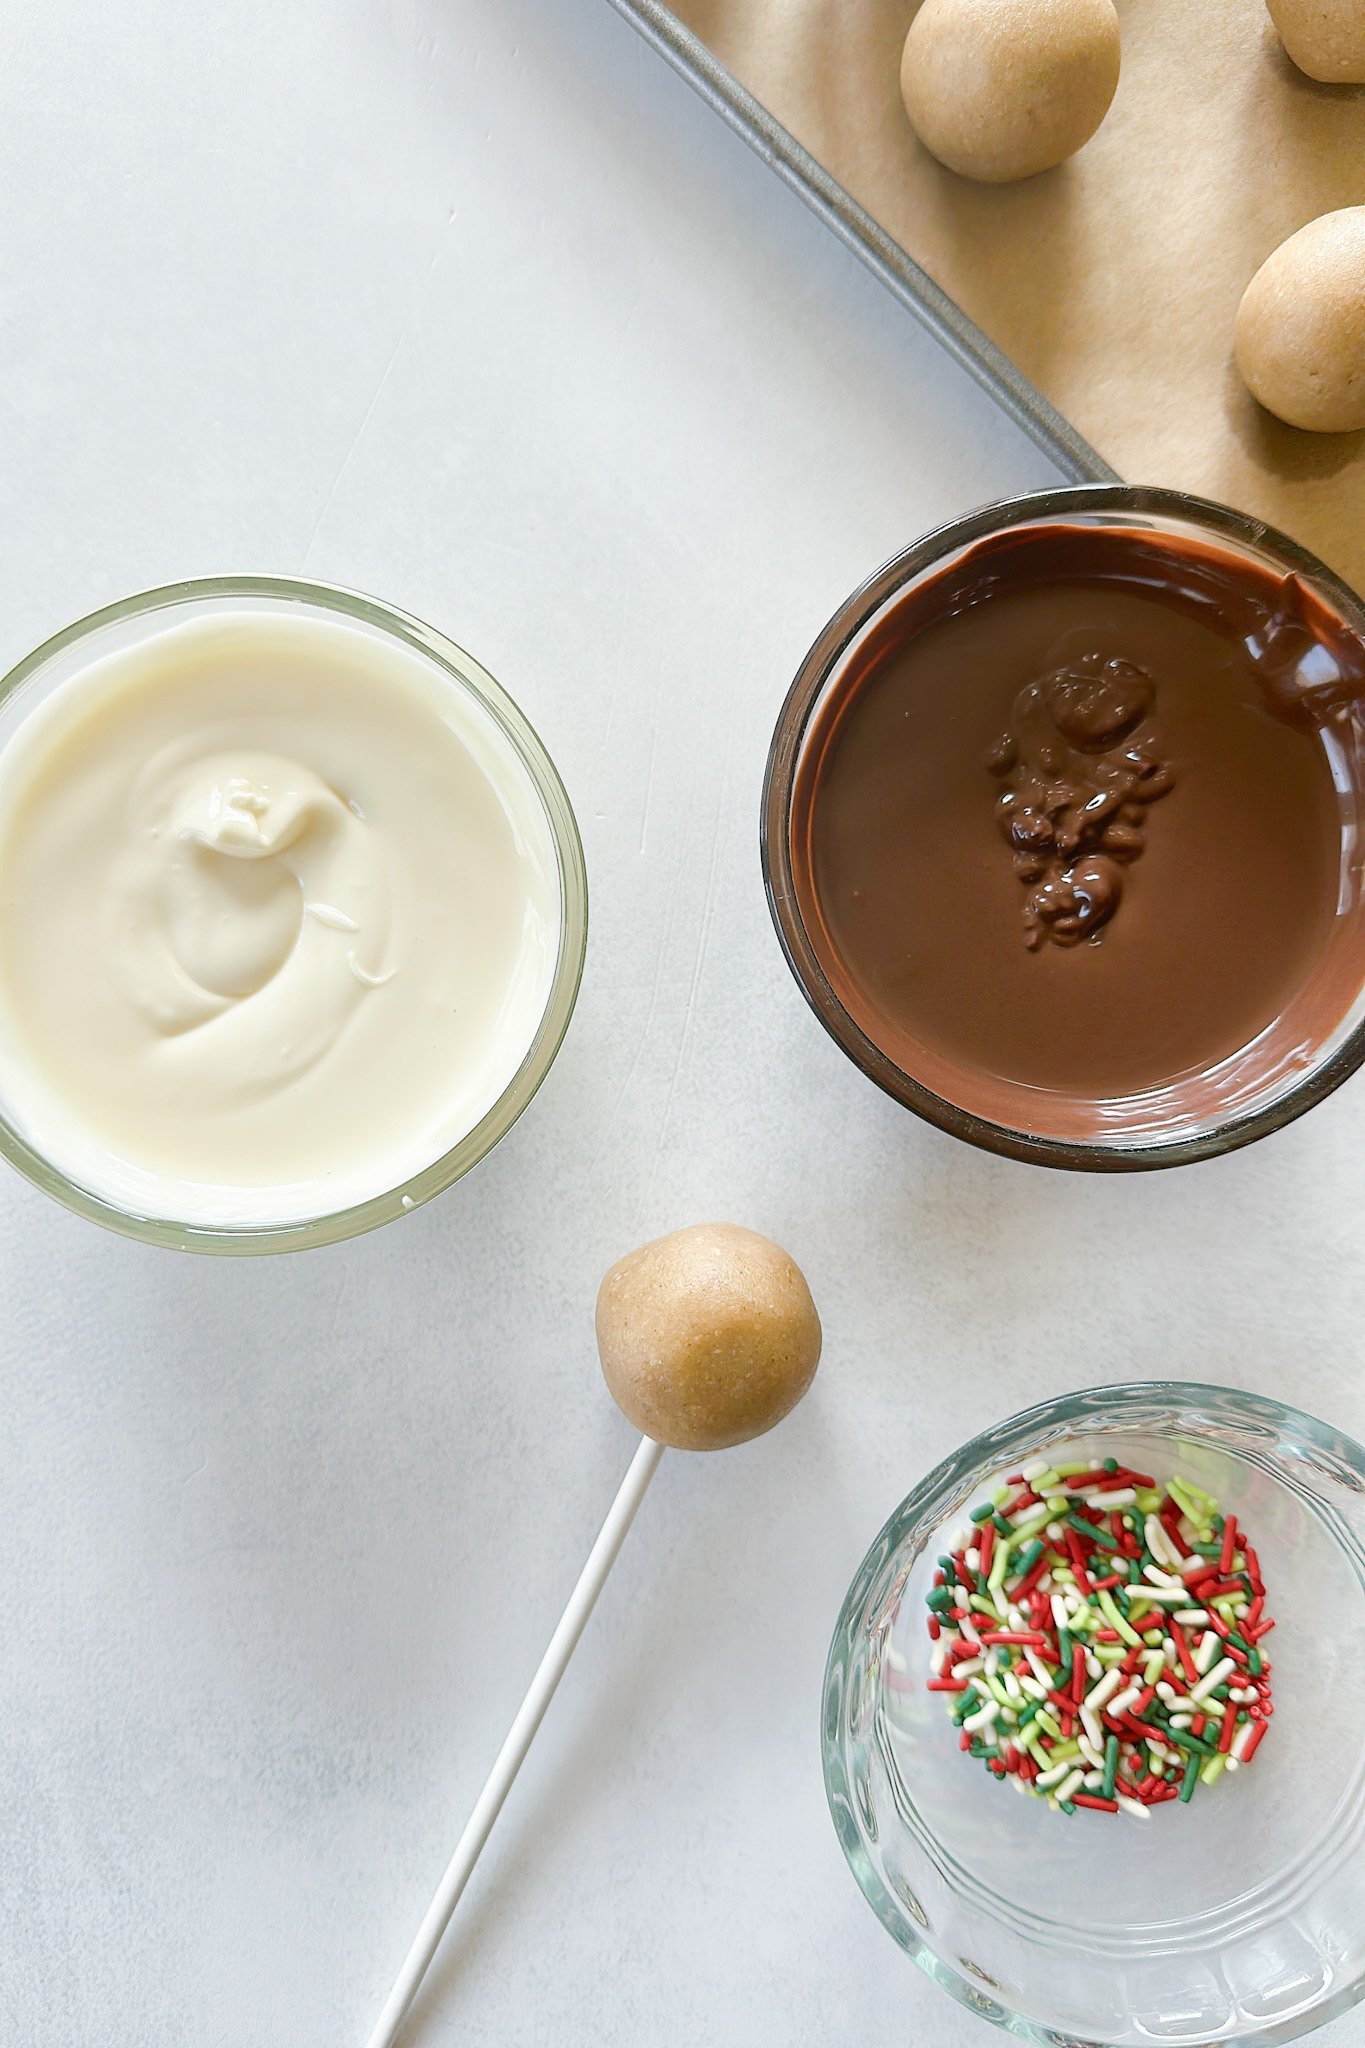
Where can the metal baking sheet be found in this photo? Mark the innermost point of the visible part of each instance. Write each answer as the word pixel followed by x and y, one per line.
pixel 885 257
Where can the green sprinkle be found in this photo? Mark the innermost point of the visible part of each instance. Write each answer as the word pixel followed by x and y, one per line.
pixel 1065 1806
pixel 984 1513
pixel 1254 1662
pixel 1111 1765
pixel 1183 1739
pixel 1100 1536
pixel 1029 1711
pixel 1116 1620
pixel 1187 1783
pixel 1028 1558
pixel 1213 1770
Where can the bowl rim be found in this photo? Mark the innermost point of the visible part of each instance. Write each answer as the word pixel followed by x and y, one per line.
pixel 926 1503
pixel 158 607
pixel 1240 1127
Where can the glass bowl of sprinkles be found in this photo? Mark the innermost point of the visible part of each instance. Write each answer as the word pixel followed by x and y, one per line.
pixel 1093 1738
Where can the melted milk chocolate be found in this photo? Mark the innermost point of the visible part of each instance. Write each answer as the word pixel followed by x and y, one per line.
pixel 1166 936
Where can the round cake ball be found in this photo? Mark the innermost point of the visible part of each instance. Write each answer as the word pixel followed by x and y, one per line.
pixel 1002 89
pixel 707 1337
pixel 1300 337
pixel 1325 38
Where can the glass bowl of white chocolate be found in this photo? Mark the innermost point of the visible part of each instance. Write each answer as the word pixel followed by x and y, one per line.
pixel 1076 1918
pixel 293 912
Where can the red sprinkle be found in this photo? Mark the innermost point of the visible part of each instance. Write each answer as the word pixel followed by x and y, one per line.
pixel 1229 1545
pixel 1089 1799
pixel 1178 1637
pixel 986 1546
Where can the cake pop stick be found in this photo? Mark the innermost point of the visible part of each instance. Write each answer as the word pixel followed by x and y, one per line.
pixel 707 1338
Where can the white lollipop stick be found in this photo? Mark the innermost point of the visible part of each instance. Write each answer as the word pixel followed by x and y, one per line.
pixel 531 1712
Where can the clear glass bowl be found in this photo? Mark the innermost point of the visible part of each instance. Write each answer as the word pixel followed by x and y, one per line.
pixel 1237 1919
pixel 135 618
pixel 1285 1071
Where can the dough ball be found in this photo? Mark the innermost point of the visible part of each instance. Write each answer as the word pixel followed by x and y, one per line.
pixel 1002 89
pixel 1325 38
pixel 1300 338
pixel 707 1337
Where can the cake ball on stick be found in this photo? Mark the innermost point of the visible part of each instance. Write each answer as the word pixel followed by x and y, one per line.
pixel 707 1338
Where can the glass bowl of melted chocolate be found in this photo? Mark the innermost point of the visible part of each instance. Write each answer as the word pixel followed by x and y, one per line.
pixel 1062 828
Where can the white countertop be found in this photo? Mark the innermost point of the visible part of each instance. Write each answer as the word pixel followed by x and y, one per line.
pixel 470 303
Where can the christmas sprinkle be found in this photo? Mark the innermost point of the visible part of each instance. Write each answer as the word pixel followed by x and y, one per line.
pixel 1098 1638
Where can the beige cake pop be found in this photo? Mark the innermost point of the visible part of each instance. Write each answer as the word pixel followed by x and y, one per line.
pixel 1002 89
pixel 1300 336
pixel 707 1337
pixel 1325 38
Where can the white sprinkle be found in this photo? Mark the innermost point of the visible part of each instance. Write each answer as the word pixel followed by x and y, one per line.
pixel 1091 1751
pixel 1094 1779
pixel 1181 1720
pixel 973 1559
pixel 1091 1725
pixel 1240 1741
pixel 1034 1469
pixel 1189 1617
pixel 984 1717
pixel 968 1668
pixel 1012 1686
pixel 938 1657
pixel 1164 1689
pixel 1120 1497
pixel 1160 1578
pixel 1133 1806
pixel 1100 1692
pixel 1059 1613
pixel 992 1663
pixel 1040 1670
pixel 1159 1543
pixel 1165 1596
pixel 1047 1779
pixel 1213 1678
pixel 1206 1650
pixel 1070 1784
pixel 1121 1704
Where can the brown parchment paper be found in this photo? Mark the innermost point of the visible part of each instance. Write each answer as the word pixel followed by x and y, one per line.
pixel 1113 281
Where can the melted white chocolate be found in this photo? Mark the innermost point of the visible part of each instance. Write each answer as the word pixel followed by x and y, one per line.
pixel 279 910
